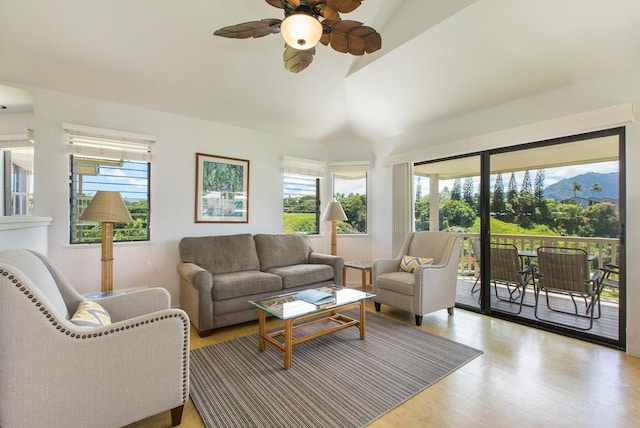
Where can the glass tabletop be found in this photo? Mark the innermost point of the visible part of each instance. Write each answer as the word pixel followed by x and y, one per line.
pixel 291 305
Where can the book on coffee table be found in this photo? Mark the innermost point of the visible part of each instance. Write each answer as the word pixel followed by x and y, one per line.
pixel 315 297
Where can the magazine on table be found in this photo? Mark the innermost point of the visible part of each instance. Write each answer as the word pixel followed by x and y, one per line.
pixel 316 297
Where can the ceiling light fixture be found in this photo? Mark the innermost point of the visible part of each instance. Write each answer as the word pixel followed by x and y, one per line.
pixel 301 28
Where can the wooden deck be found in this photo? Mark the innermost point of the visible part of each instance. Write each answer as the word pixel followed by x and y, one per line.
pixel 606 326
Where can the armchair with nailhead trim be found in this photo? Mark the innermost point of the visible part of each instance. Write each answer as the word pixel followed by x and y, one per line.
pixel 56 373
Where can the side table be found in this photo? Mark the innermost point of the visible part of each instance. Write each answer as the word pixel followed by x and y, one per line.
pixel 364 266
pixel 102 294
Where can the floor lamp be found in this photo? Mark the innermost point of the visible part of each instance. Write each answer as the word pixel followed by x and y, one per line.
pixel 107 208
pixel 334 213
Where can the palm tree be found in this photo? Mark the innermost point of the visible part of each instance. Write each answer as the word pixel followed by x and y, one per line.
pixel 575 188
pixel 595 187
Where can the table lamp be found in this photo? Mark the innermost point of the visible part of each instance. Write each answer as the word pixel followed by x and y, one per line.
pixel 334 213
pixel 107 208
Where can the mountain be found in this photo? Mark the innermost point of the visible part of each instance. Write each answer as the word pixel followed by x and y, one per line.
pixel 562 189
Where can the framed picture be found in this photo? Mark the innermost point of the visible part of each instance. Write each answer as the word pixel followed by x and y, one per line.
pixel 222 189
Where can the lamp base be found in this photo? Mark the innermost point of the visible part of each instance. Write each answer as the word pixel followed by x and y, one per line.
pixel 107 257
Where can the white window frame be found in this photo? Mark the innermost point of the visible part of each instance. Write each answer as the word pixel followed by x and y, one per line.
pixel 352 168
pixel 104 146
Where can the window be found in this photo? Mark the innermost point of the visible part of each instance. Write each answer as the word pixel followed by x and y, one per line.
pixel 108 160
pixel 301 191
pixel 16 175
pixel 301 204
pixel 350 189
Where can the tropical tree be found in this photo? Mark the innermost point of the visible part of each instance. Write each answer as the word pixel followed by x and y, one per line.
pixel 456 191
pixel 600 220
pixel 456 213
pixel 511 207
pixel 468 191
pixel 497 198
pixel 595 187
pixel 575 188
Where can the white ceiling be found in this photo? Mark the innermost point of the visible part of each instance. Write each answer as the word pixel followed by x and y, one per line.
pixel 440 59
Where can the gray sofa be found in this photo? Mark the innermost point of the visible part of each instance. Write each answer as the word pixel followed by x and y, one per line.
pixel 220 274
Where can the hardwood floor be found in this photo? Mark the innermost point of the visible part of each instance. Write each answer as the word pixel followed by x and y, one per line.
pixel 526 378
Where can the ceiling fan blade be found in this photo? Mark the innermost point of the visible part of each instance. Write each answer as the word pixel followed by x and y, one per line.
pixel 353 37
pixel 297 60
pixel 343 6
pixel 253 29
pixel 321 8
pixel 284 4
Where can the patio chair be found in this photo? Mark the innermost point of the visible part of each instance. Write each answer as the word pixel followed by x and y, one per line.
pixel 565 271
pixel 506 269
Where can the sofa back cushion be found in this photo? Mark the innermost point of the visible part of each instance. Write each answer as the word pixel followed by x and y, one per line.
pixel 221 254
pixel 282 250
pixel 27 265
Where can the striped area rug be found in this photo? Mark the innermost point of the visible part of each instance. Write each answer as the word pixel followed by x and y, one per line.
pixel 335 381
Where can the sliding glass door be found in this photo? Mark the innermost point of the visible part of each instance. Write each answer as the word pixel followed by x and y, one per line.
pixel 564 193
pixel 447 198
pixel 507 203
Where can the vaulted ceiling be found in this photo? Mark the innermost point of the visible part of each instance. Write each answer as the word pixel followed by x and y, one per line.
pixel 439 59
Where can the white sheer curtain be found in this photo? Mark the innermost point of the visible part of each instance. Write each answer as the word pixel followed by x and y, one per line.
pixel 402 216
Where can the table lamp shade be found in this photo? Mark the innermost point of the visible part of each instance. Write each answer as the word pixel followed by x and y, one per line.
pixel 107 207
pixel 334 212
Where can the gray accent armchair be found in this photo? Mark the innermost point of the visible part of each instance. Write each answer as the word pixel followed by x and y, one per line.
pixel 55 373
pixel 430 287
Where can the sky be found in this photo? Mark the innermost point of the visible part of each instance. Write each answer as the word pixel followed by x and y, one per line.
pixel 551 175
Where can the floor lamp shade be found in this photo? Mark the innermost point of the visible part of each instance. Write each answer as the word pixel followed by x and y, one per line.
pixel 107 208
pixel 334 213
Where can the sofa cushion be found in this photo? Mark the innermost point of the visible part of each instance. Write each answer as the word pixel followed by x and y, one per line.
pixel 401 282
pixel 244 283
pixel 221 254
pixel 282 250
pixel 303 274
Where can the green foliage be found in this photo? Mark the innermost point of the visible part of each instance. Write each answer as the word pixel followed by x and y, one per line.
pixel 600 220
pixel 456 213
pixel 300 223
pixel 524 212
pixel 224 177
pixel 422 213
pixel 355 208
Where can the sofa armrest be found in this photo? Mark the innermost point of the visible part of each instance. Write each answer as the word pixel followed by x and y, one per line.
pixel 197 276
pixel 196 297
pixel 336 262
pixel 381 266
pixel 136 303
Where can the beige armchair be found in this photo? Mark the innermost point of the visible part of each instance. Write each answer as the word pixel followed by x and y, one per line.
pixel 57 373
pixel 430 287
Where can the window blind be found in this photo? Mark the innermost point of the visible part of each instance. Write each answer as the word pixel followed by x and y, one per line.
pixel 105 143
pixel 298 166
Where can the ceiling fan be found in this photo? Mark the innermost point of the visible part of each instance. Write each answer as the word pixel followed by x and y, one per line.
pixel 302 29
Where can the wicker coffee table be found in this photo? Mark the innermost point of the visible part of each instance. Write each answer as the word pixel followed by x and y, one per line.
pixel 303 321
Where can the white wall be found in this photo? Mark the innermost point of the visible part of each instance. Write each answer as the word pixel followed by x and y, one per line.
pixel 453 137
pixel 172 186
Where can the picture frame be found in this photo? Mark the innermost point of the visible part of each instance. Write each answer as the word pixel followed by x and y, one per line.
pixel 222 189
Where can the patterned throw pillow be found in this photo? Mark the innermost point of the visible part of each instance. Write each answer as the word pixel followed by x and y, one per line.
pixel 410 263
pixel 91 314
